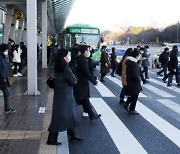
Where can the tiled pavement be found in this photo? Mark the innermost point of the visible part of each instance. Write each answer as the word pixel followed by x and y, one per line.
pixel 25 132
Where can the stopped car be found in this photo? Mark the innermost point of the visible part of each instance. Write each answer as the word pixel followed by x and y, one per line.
pixel 156 56
pixel 119 53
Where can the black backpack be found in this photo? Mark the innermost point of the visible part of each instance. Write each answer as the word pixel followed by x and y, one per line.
pixel 161 57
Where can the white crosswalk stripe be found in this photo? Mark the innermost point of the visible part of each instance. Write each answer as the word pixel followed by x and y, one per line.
pixel 166 128
pixel 170 104
pixel 118 82
pixel 113 124
pixel 175 89
pixel 157 91
pixel 103 90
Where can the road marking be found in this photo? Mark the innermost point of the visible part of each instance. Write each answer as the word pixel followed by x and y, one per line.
pixel 42 110
pixel 170 104
pixel 157 91
pixel 113 125
pixel 118 82
pixel 103 90
pixel 165 127
pixel 175 89
pixel 64 147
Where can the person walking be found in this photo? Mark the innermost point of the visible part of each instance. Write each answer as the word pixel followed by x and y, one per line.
pixel 123 75
pixel 64 107
pixel 81 89
pixel 163 59
pixel 4 83
pixel 133 82
pixel 173 66
pixel 145 62
pixel 17 61
pixel 104 63
pixel 141 50
pixel 113 61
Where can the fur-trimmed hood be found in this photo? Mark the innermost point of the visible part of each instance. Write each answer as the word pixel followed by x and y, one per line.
pixel 132 59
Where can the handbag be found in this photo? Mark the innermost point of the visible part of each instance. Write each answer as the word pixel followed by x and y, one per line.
pixel 50 82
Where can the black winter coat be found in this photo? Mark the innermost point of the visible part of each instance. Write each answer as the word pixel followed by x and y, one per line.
pixel 113 60
pixel 64 115
pixel 81 89
pixel 3 73
pixel 165 58
pixel 173 63
pixel 133 77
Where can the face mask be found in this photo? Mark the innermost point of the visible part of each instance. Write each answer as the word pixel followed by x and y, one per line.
pixel 88 55
pixel 6 53
pixel 69 59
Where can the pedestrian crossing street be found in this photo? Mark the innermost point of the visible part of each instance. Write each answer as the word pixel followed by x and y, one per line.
pixel 154 96
pixel 109 118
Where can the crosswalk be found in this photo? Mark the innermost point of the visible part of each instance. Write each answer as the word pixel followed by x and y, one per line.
pixel 157 94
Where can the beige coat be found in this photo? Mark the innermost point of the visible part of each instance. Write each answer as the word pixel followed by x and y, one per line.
pixel 123 73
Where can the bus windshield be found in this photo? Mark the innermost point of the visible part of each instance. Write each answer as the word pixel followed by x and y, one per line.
pixel 88 39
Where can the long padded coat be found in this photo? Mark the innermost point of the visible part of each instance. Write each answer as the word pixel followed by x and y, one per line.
pixel 81 89
pixel 133 77
pixel 64 105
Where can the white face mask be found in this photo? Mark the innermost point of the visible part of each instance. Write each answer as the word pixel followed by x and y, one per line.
pixel 88 55
pixel 6 53
pixel 67 58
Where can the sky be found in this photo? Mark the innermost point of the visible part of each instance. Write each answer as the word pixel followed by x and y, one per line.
pixel 110 14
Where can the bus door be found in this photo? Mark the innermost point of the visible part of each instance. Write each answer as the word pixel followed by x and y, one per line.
pixel 68 41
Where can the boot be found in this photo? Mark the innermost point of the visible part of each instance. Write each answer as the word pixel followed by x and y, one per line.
pixel 73 137
pixel 52 139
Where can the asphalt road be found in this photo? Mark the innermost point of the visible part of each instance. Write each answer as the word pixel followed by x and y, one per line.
pixel 156 130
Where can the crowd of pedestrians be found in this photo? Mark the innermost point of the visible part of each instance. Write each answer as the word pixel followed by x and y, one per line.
pixel 73 73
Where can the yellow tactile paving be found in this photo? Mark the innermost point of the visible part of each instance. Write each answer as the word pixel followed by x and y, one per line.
pixel 44 148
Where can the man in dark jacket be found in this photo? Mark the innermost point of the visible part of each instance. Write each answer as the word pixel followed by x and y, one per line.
pixel 163 59
pixel 173 66
pixel 81 89
pixel 4 83
pixel 145 62
pixel 113 61
pixel 133 81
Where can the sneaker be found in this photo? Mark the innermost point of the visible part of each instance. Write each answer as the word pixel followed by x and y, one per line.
pixel 10 111
pixel 19 74
pixel 164 80
pixel 15 75
pixel 95 117
pixel 158 74
pixel 133 112
pixel 85 114
pixel 144 82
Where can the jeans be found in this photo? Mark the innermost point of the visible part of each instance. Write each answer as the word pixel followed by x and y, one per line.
pixel 164 69
pixel 132 100
pixel 6 98
pixel 145 70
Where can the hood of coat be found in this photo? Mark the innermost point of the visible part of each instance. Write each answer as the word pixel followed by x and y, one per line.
pixel 132 59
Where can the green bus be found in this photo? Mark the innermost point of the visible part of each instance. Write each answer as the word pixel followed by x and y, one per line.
pixel 83 34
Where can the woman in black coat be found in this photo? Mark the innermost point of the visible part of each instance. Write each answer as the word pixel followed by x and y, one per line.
pixel 81 90
pixel 64 106
pixel 133 81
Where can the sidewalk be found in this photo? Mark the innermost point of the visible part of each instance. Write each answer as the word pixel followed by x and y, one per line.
pixel 25 132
